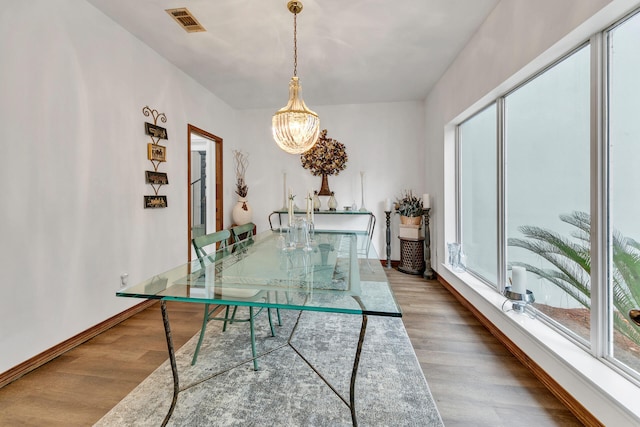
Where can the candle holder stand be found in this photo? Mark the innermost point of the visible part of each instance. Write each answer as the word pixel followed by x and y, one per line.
pixel 429 274
pixel 388 215
pixel 519 302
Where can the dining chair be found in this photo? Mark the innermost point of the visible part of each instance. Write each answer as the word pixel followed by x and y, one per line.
pixel 243 238
pixel 219 249
pixel 200 244
pixel 242 235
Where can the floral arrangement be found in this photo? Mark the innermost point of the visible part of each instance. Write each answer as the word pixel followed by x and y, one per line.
pixel 409 205
pixel 326 157
pixel 242 161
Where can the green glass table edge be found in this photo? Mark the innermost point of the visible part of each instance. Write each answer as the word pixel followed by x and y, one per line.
pixel 294 307
pixel 356 266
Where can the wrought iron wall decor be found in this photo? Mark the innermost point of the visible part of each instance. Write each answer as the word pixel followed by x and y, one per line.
pixel 157 178
pixel 156 154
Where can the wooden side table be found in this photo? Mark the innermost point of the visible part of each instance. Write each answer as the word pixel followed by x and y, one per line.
pixel 411 255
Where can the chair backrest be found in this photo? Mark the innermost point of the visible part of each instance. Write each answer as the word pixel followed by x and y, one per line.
pixel 201 242
pixel 242 235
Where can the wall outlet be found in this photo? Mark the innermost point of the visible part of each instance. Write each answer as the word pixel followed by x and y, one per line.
pixel 124 278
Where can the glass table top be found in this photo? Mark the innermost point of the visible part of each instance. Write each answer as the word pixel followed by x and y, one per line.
pixel 324 275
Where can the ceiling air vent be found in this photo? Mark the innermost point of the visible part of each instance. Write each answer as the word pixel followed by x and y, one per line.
pixel 186 20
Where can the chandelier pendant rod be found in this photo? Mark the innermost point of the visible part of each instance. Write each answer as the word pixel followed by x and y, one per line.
pixel 295 45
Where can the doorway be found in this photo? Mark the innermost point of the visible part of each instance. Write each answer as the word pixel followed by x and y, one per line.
pixel 204 171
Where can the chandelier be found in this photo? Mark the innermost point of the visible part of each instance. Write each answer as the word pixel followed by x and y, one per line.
pixel 295 127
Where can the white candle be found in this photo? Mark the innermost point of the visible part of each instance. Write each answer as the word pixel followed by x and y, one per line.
pixel 290 209
pixel 519 280
pixel 426 201
pixel 308 207
pixel 387 204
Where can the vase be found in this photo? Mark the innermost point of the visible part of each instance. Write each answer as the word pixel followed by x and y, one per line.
pixel 324 187
pixel 333 203
pixel 316 201
pixel 456 257
pixel 242 212
pixel 410 220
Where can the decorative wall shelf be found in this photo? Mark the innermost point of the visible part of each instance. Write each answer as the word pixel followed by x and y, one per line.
pixel 156 154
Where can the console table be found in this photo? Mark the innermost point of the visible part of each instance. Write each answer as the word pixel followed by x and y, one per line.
pixel 363 230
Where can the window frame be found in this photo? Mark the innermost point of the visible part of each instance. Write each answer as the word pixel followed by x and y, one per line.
pixel 600 344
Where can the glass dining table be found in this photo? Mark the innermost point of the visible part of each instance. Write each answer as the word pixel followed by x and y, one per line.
pixel 323 273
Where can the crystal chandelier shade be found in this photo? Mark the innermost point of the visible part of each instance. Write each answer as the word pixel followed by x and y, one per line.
pixel 295 128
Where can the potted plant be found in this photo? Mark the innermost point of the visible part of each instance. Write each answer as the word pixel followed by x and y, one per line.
pixel 410 208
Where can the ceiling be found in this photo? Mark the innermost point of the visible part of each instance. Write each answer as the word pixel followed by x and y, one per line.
pixel 349 51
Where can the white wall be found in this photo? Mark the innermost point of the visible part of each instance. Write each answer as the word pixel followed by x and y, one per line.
pixel 73 156
pixel 72 162
pixel 519 38
pixel 383 140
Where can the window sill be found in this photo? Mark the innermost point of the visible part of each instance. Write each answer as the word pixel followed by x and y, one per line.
pixel 608 395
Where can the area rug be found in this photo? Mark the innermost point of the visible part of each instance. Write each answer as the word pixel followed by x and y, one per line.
pixel 222 389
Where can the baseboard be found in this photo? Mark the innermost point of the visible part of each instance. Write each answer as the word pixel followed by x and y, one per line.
pixel 55 351
pixel 556 389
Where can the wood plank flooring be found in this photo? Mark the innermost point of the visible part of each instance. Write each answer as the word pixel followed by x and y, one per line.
pixel 473 378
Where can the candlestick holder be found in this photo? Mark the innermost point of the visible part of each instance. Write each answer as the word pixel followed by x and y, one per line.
pixel 388 215
pixel 362 206
pixel 519 302
pixel 428 271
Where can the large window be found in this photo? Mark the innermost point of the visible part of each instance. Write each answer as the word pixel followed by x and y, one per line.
pixel 624 187
pixel 478 193
pixel 528 187
pixel 547 189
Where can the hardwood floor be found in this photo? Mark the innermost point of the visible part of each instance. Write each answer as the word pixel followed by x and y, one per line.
pixel 473 378
pixel 79 387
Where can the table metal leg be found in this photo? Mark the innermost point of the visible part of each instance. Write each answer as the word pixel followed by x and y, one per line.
pixel 354 372
pixel 172 359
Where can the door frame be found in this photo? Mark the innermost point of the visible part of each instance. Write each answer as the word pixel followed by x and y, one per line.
pixel 218 178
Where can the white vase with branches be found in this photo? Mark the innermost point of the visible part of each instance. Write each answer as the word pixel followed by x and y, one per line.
pixel 242 212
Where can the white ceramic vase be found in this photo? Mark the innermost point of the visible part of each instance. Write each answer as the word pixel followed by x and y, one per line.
pixel 333 203
pixel 242 212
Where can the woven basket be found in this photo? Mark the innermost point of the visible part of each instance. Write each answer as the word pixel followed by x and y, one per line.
pixel 413 220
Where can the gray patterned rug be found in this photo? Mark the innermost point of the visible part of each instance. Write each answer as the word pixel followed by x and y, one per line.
pixel 224 390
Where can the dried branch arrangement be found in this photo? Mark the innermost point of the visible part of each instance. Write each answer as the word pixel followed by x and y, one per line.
pixel 242 162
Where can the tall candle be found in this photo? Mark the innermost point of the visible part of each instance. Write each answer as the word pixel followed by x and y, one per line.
pixel 426 201
pixel 290 209
pixel 519 280
pixel 312 214
pixel 387 204
pixel 308 200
